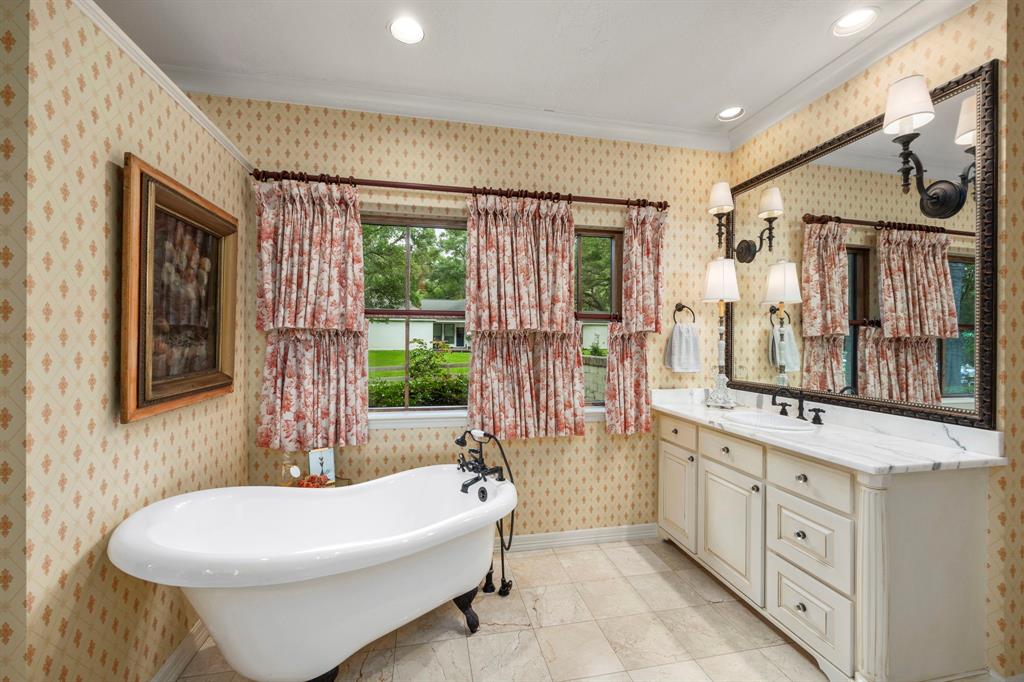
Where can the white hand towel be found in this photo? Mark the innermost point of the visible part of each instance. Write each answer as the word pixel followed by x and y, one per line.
pixel 682 352
pixel 783 349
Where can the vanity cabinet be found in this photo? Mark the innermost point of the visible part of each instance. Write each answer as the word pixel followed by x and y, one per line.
pixel 731 535
pixel 880 577
pixel 677 482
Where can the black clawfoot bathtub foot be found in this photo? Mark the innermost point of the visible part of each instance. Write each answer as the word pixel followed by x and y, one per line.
pixel 489 580
pixel 328 676
pixel 465 604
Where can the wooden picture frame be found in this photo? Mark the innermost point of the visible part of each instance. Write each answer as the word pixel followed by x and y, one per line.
pixel 178 276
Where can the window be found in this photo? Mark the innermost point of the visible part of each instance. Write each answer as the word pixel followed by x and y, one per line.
pixel 415 275
pixel 598 298
pixel 956 356
pixel 859 304
pixel 419 351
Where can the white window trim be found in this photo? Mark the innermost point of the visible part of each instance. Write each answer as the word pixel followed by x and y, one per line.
pixel 425 419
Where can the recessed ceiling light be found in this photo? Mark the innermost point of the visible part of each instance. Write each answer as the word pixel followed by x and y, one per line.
pixel 730 113
pixel 854 22
pixel 406 30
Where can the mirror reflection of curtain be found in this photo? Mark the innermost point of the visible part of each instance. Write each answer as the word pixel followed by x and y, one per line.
pixel 900 368
pixel 900 360
pixel 824 282
pixel 916 289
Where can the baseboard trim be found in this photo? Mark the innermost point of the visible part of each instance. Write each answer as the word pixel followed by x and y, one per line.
pixel 996 676
pixel 176 663
pixel 585 536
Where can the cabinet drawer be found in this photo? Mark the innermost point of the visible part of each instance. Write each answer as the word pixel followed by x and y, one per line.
pixel 683 434
pixel 736 452
pixel 815 481
pixel 818 615
pixel 812 537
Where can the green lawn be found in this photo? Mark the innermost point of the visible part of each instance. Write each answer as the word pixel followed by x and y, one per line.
pixel 396 358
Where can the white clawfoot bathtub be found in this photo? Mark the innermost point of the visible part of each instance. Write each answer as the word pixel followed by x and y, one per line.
pixel 290 582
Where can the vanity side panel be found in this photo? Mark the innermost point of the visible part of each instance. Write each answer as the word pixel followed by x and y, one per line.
pixel 936 547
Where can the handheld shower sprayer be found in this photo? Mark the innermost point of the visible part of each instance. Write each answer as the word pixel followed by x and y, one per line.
pixel 479 466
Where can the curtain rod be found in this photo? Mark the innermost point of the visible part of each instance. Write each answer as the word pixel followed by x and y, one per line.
pixel 451 189
pixel 810 218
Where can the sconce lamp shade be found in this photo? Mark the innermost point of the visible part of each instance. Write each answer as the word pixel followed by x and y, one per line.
pixel 721 199
pixel 770 205
pixel 720 282
pixel 908 107
pixel 783 284
pixel 967 123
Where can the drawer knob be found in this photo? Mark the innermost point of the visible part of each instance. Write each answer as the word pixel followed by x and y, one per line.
pixel 725 449
pixel 801 607
pixel 756 488
pixel 800 535
pixel 690 458
pixel 675 431
pixel 802 478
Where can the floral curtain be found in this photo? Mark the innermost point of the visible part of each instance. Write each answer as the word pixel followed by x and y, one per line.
pixel 916 290
pixel 901 369
pixel 309 300
pixel 825 280
pixel 823 363
pixel 627 398
pixel 526 371
pixel 825 316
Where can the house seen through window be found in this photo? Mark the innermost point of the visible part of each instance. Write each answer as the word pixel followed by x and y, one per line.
pixel 419 351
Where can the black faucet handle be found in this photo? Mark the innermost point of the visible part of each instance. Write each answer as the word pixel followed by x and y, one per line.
pixel 783 412
pixel 817 411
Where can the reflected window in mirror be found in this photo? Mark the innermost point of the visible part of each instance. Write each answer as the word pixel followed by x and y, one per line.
pixel 957 366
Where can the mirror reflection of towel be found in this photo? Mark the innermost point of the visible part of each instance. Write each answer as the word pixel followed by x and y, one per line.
pixel 682 352
pixel 783 349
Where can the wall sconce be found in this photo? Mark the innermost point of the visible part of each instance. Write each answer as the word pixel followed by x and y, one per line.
pixel 909 107
pixel 782 287
pixel 720 205
pixel 720 287
pixel 769 209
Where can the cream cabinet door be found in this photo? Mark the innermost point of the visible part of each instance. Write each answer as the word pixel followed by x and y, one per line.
pixel 677 494
pixel 731 527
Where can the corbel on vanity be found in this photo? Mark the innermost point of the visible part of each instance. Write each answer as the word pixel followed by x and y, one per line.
pixel 867 549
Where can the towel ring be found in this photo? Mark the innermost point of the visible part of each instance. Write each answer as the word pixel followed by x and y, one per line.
pixel 679 307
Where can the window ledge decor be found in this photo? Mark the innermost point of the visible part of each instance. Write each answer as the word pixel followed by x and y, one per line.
pixel 178 275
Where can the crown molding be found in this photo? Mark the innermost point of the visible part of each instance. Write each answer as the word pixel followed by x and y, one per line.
pixel 340 96
pixel 135 53
pixel 923 16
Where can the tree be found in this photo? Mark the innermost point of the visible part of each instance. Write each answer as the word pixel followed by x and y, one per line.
pixel 437 265
pixel 595 276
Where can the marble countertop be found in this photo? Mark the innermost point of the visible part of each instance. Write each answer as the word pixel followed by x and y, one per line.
pixel 857 449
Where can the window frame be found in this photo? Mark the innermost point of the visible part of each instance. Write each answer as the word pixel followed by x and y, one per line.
pixel 941 355
pixel 444 316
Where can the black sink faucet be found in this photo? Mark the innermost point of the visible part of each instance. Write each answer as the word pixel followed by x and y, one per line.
pixel 784 391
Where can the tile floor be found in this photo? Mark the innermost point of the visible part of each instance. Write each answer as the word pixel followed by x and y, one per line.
pixel 616 612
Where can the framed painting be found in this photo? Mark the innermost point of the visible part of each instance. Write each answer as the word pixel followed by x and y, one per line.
pixel 178 273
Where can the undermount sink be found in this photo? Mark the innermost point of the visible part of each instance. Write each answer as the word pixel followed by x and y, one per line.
pixel 765 420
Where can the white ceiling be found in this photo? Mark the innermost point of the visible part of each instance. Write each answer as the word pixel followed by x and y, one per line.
pixel 638 70
pixel 942 158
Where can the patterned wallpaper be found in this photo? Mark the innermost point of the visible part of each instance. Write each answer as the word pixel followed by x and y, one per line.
pixel 815 188
pixel 619 485
pixel 90 103
pixel 14 56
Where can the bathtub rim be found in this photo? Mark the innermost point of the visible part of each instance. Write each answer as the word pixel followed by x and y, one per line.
pixel 131 550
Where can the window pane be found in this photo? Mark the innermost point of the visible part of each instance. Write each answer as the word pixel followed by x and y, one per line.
pixel 594 280
pixel 438 375
pixel 384 265
pixel 595 361
pixel 438 269
pixel 386 343
pixel 848 352
pixel 962 273
pixel 958 364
